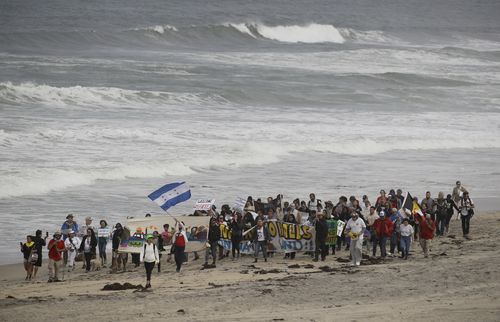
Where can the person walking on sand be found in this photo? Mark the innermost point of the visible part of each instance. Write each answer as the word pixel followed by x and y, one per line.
pixel 457 194
pixel 450 205
pixel 72 244
pixel 321 228
pixel 179 242
pixel 149 256
pixel 261 237
pixel 118 259
pixel 55 247
pixel 213 241
pixel 236 227
pixel 441 214
pixel 27 249
pixel 370 220
pixel 466 213
pixel 406 231
pixel 355 229
pixel 383 230
pixel 88 247
pixel 427 228
pixel 103 235
pixel 39 244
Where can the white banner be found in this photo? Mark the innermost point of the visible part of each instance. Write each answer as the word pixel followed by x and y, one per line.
pixel 204 204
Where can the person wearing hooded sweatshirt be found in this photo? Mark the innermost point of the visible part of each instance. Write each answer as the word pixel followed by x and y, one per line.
pixel 149 256
pixel 179 242
pixel 427 228
pixel 355 229
pixel 383 230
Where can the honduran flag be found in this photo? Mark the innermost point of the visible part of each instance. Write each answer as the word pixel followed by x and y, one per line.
pixel 171 194
pixel 412 206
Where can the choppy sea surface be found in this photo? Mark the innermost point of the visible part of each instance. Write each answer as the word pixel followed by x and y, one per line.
pixel 102 102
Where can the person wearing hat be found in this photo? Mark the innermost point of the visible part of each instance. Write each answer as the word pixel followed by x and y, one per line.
pixel 149 256
pixel 83 229
pixel 55 247
pixel 354 229
pixel 406 231
pixel 67 226
pixel 72 244
pixel 383 230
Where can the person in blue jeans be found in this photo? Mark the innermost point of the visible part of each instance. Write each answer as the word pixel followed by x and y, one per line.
pixel 103 234
pixel 261 237
pixel 406 231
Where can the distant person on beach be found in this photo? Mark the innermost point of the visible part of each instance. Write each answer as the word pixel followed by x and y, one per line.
pixel 441 214
pixel 406 236
pixel 158 241
pixel 466 213
pixel 370 220
pixel 55 247
pixel 312 205
pixel 72 244
pixel 27 249
pixel 213 241
pixel 66 227
pixel 427 228
pixel 39 244
pixel 119 259
pixel 383 230
pixel 88 248
pixel 381 201
pixel 103 235
pixel 236 227
pixel 428 205
pixel 450 205
pixel 88 225
pixel 179 242
pixel 321 228
pixel 458 192
pixel 355 228
pixel 261 238
pixel 149 256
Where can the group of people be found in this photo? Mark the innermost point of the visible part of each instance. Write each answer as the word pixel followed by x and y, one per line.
pixel 366 225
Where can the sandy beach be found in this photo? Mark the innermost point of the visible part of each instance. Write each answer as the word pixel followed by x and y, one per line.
pixel 460 281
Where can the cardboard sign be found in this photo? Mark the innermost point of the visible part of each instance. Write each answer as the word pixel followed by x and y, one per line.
pixel 204 204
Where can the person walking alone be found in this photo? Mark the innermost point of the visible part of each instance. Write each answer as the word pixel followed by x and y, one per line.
pixel 149 256
pixel 179 242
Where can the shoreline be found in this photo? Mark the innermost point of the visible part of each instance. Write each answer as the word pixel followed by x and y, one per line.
pixel 440 287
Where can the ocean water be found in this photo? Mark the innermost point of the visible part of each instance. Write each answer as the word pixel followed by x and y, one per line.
pixel 102 102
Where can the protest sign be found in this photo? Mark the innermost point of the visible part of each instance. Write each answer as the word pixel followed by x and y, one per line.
pixel 103 232
pixel 204 204
pixel 340 227
pixel 196 229
pixel 239 204
pixel 331 238
pixel 284 237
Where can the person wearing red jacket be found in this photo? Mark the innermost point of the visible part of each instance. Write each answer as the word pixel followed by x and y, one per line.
pixel 427 228
pixel 383 230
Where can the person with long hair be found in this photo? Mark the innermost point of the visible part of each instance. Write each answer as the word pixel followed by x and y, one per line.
pixel 236 227
pixel 39 244
pixel 466 213
pixel 149 256
pixel 27 248
pixel 179 242
pixel 88 247
pixel 103 234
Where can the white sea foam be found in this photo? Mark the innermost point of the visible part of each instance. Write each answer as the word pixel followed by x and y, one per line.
pixel 32 93
pixel 312 33
pixel 157 28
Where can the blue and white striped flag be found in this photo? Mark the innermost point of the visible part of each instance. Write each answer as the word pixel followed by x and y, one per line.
pixel 171 194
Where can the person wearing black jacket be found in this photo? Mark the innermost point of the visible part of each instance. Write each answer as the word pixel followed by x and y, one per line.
pixel 290 218
pixel 260 238
pixel 321 233
pixel 88 247
pixel 213 240
pixel 39 244
pixel 236 227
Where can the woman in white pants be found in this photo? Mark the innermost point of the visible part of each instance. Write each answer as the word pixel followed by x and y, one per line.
pixel 72 243
pixel 354 229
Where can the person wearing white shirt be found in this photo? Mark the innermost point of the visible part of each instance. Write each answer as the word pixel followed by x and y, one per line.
pixel 149 256
pixel 355 228
pixel 72 244
pixel 406 231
